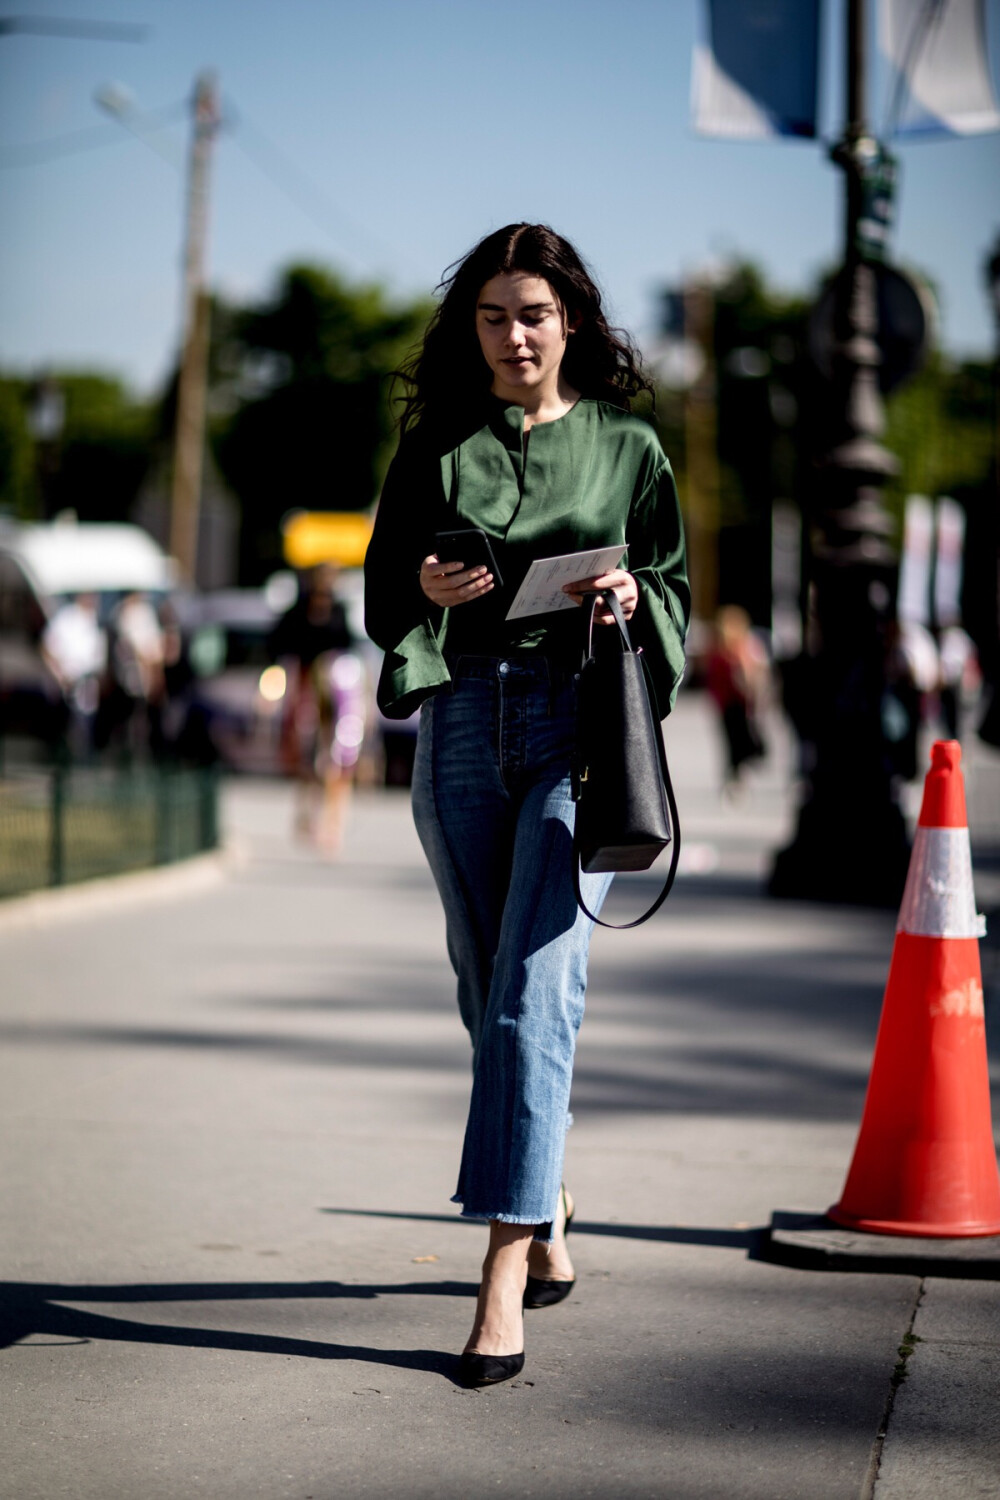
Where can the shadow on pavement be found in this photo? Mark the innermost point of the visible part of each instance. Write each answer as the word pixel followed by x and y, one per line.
pixel 31 1310
pixel 728 1239
pixel 732 1396
pixel 860 1253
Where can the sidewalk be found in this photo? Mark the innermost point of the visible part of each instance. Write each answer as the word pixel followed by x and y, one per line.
pixel 232 1117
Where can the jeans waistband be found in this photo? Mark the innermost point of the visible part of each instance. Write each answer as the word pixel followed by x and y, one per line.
pixel 529 671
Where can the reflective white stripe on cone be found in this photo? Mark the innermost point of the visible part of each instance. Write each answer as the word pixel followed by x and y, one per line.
pixel 939 900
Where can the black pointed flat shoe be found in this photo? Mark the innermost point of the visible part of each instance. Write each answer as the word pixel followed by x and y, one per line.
pixel 488 1369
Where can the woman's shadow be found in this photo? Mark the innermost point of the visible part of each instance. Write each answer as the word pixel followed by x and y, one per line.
pixel 34 1309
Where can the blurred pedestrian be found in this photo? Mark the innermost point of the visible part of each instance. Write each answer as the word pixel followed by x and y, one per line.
pixel 74 646
pixel 737 677
pixel 959 670
pixel 137 658
pixel 324 718
pixel 516 422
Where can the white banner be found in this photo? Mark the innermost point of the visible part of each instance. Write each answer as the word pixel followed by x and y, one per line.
pixel 944 85
pixel 914 599
pixel 950 555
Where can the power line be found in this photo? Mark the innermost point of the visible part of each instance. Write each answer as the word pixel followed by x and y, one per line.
pixel 91 31
pixel 32 153
pixel 119 104
pixel 269 159
pixel 299 189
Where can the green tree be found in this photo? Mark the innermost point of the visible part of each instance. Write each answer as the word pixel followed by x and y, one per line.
pixel 771 414
pixel 302 383
pixel 104 450
pixel 759 391
pixel 94 464
pixel 940 427
pixel 18 491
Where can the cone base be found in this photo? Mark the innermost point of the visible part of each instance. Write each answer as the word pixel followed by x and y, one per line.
pixel 946 1231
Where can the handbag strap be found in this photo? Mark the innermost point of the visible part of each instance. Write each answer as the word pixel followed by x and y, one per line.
pixel 611 599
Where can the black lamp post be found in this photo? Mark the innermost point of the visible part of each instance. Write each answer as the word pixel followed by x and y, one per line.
pixel 851 843
pixel 989 647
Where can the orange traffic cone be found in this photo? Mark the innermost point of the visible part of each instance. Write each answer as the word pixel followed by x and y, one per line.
pixel 924 1163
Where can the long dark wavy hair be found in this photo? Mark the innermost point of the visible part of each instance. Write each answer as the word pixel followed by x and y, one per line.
pixel 447 376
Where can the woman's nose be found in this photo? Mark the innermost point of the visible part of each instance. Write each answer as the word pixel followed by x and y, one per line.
pixel 515 334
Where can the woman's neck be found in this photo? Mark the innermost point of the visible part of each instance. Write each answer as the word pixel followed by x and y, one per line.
pixel 543 405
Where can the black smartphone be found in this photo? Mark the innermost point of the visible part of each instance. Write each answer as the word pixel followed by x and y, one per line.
pixel 471 547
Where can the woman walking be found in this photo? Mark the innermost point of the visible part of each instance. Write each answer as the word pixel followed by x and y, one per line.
pixel 516 425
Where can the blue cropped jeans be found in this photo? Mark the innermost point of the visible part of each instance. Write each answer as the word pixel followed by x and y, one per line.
pixel 493 807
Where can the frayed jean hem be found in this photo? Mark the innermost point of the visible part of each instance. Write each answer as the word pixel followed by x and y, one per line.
pixel 543 1232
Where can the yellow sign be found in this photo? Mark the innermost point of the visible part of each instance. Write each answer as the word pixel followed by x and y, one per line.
pixel 326 536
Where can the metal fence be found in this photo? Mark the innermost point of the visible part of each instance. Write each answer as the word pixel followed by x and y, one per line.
pixel 70 823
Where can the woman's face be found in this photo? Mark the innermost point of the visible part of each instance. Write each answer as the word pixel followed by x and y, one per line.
pixel 522 330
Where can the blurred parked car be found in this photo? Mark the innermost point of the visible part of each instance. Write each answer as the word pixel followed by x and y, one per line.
pixel 235 700
pixel 230 706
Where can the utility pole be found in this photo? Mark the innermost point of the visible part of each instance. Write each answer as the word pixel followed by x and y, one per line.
pixel 189 437
pixel 851 842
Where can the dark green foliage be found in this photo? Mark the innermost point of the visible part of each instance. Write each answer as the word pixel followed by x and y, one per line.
pixel 104 451
pixel 93 466
pixel 764 418
pixel 940 427
pixel 298 410
pixel 772 416
pixel 17 460
pixel 759 346
pixel 308 378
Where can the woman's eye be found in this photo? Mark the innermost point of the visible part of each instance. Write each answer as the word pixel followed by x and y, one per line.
pixel 494 322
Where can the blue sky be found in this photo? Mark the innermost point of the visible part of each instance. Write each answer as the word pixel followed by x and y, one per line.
pixel 414 126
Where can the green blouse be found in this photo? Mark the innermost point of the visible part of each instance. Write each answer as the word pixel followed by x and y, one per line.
pixel 595 477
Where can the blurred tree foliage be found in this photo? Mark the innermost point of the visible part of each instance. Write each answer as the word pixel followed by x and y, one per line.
pixel 17 454
pixel 771 409
pixel 301 400
pixel 753 339
pixel 940 427
pixel 104 448
pixel 766 418
pixel 299 415
pixel 93 464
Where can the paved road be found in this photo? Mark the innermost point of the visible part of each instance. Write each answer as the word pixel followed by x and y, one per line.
pixel 232 1114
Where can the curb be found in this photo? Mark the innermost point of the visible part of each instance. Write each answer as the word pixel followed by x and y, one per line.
pixel 112 892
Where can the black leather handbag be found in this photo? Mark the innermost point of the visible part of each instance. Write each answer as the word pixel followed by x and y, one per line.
pixel 626 814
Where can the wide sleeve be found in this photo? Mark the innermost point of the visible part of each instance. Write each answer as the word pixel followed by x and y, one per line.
pixel 398 615
pixel 656 560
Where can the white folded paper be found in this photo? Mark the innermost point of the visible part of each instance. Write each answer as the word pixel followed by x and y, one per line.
pixel 541 593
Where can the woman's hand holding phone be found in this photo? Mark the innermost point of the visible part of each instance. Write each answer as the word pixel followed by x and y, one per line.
pixel 449 583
